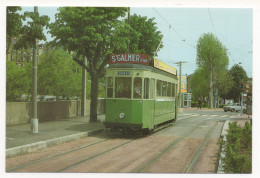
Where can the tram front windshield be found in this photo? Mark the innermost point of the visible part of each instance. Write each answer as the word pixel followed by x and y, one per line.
pixel 123 87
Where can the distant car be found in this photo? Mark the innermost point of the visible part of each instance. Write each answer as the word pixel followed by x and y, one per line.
pixel 234 107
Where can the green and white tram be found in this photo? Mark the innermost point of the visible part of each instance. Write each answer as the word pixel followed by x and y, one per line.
pixel 139 97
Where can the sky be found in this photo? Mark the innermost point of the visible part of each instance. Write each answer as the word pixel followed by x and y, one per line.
pixel 182 27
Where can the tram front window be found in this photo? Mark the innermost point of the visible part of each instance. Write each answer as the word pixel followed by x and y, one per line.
pixel 123 87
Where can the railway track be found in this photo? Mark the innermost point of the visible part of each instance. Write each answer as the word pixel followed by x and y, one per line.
pixel 119 145
pixel 173 144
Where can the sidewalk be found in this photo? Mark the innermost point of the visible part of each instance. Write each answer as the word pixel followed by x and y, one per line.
pixel 20 139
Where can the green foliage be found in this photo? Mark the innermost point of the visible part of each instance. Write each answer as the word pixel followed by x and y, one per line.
pixel 238 74
pixel 144 35
pixel 33 29
pixel 222 105
pixel 58 75
pixel 238 149
pixel 13 24
pixel 211 54
pixel 199 84
pixel 17 81
pixel 90 32
pixel 212 58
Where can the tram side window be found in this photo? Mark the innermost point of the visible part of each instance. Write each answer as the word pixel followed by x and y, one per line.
pixel 123 87
pixel 138 87
pixel 169 89
pixel 146 88
pixel 164 88
pixel 109 87
pixel 173 90
pixel 159 88
pixel 152 88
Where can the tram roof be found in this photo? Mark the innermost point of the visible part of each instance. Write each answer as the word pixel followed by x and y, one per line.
pixel 140 66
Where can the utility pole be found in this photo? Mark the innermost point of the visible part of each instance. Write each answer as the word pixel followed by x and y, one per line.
pixel 34 119
pixel 180 63
pixel 242 97
pixel 84 89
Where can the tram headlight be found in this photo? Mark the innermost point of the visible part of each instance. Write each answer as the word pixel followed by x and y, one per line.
pixel 121 115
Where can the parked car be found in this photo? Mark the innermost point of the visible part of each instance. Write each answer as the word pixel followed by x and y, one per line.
pixel 234 107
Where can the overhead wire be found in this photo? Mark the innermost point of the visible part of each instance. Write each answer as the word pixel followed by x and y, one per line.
pixel 212 22
pixel 170 27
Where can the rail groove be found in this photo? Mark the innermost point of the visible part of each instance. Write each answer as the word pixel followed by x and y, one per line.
pixel 201 148
pixel 55 156
pixel 150 163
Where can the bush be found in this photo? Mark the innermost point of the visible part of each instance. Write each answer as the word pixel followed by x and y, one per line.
pixel 238 149
pixel 194 104
pixel 222 105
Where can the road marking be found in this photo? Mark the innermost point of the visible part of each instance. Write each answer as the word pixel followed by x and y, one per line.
pixel 194 115
pixel 224 116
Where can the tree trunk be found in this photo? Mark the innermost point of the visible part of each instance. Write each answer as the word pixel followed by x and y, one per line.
pixel 94 98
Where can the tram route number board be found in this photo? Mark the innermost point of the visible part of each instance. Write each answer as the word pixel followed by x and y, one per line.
pixel 123 73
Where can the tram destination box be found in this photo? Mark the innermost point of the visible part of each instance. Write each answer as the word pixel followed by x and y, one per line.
pixel 129 58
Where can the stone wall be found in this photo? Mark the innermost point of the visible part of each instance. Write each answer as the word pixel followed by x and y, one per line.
pixel 21 112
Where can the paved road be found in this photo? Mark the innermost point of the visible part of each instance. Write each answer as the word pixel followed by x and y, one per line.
pixel 188 146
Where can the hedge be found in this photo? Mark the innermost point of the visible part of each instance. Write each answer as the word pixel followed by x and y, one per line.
pixel 238 149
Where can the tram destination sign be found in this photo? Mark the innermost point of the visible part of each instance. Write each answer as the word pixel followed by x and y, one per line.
pixel 129 58
pixel 160 65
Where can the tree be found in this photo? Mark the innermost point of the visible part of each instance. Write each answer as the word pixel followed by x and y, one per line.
pixel 13 25
pixel 213 59
pixel 199 84
pixel 17 81
pixel 94 33
pixel 33 29
pixel 144 35
pixel 238 74
pixel 58 75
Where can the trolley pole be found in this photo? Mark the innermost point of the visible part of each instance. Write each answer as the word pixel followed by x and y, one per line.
pixel 34 119
pixel 180 64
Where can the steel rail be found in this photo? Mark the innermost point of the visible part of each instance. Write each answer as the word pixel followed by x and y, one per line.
pixel 55 156
pixel 89 158
pixel 173 144
pixel 201 148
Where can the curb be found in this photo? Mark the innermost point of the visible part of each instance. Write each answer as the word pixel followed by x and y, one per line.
pixel 32 147
pixel 222 154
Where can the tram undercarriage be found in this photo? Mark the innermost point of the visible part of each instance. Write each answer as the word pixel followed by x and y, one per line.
pixel 134 129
